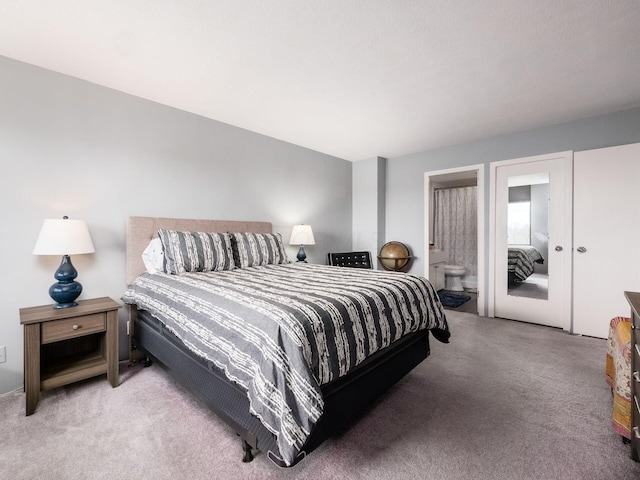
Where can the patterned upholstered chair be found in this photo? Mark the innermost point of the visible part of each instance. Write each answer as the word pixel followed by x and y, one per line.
pixel 618 371
pixel 350 259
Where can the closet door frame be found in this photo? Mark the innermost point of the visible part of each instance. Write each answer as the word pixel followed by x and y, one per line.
pixel 567 158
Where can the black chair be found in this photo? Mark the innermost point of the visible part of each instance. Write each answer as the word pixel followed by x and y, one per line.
pixel 350 259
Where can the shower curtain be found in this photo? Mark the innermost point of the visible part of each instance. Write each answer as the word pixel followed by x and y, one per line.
pixel 455 226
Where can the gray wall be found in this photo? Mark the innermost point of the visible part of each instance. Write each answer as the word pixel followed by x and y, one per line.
pixel 405 175
pixel 69 147
pixel 369 206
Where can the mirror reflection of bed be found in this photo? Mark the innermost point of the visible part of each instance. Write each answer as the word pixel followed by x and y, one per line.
pixel 527 277
pixel 528 236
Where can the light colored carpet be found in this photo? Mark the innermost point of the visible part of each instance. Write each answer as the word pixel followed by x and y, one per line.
pixel 504 400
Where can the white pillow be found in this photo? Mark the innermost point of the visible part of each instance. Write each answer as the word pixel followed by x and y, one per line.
pixel 153 256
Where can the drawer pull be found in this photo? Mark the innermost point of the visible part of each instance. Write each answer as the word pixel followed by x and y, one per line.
pixel 76 327
pixel 636 432
pixel 636 376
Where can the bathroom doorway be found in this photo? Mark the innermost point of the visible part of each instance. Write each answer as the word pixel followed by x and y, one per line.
pixel 450 198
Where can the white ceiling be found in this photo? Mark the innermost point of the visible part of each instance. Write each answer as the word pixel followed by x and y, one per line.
pixel 351 78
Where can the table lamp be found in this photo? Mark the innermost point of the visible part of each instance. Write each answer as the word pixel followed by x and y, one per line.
pixel 64 237
pixel 302 235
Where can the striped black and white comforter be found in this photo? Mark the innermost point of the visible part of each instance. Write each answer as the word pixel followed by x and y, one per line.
pixel 281 331
pixel 521 259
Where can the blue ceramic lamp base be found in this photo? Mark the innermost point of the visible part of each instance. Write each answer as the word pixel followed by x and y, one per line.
pixel 66 290
pixel 302 256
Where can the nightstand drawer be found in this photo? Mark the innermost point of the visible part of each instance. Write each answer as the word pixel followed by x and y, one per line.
pixel 72 327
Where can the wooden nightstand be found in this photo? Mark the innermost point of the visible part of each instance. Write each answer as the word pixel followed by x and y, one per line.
pixel 65 345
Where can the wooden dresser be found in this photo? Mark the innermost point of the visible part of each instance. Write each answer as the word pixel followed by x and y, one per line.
pixel 634 300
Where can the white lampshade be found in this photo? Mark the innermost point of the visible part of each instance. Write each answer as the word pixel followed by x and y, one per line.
pixel 63 237
pixel 302 235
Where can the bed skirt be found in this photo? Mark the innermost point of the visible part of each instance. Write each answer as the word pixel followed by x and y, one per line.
pixel 345 399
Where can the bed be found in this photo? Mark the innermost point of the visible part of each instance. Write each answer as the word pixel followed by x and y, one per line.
pixel 238 338
pixel 520 261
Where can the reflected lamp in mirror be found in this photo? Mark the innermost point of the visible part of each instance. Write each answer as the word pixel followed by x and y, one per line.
pixel 302 235
pixel 64 237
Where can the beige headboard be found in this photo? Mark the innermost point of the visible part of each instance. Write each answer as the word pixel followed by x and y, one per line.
pixel 140 231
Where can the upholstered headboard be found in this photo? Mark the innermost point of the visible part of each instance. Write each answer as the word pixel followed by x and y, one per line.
pixel 140 231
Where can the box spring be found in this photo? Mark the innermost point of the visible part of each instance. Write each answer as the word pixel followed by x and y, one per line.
pixel 345 398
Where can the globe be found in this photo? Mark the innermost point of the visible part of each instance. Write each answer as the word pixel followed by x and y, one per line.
pixel 394 256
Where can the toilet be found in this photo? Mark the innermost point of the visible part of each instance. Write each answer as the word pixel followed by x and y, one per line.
pixel 453 277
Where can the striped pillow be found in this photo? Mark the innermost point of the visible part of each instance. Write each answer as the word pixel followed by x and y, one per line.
pixel 196 251
pixel 257 249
